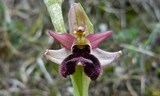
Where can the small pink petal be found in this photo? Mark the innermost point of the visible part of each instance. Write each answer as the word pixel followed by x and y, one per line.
pixel 96 39
pixel 65 39
pixel 57 56
pixel 104 57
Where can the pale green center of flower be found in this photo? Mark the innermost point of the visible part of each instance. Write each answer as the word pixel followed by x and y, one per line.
pixel 80 37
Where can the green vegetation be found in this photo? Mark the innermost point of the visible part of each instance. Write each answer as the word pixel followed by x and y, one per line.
pixel 24 71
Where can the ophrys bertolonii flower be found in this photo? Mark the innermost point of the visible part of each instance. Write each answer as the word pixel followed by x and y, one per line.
pixel 80 48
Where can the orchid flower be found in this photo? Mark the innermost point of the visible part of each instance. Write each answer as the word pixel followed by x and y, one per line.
pixel 80 48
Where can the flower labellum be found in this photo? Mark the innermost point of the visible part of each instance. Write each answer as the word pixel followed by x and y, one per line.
pixel 80 47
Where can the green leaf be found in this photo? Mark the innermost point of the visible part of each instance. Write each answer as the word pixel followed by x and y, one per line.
pixel 55 11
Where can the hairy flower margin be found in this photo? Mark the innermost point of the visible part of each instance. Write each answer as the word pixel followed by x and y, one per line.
pixel 80 47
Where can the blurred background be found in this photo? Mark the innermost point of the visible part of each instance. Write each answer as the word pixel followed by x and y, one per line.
pixel 24 71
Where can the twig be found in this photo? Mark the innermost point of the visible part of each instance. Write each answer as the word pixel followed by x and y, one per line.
pixel 132 91
pixel 138 49
pixel 43 69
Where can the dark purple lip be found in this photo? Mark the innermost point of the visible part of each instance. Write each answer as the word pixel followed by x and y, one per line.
pixel 81 56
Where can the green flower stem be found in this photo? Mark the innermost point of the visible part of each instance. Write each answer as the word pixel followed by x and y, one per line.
pixel 79 80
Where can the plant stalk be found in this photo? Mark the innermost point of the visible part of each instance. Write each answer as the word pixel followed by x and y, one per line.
pixel 79 80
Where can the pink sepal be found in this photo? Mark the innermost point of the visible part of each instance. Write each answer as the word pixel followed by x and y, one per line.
pixel 65 39
pixel 96 39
